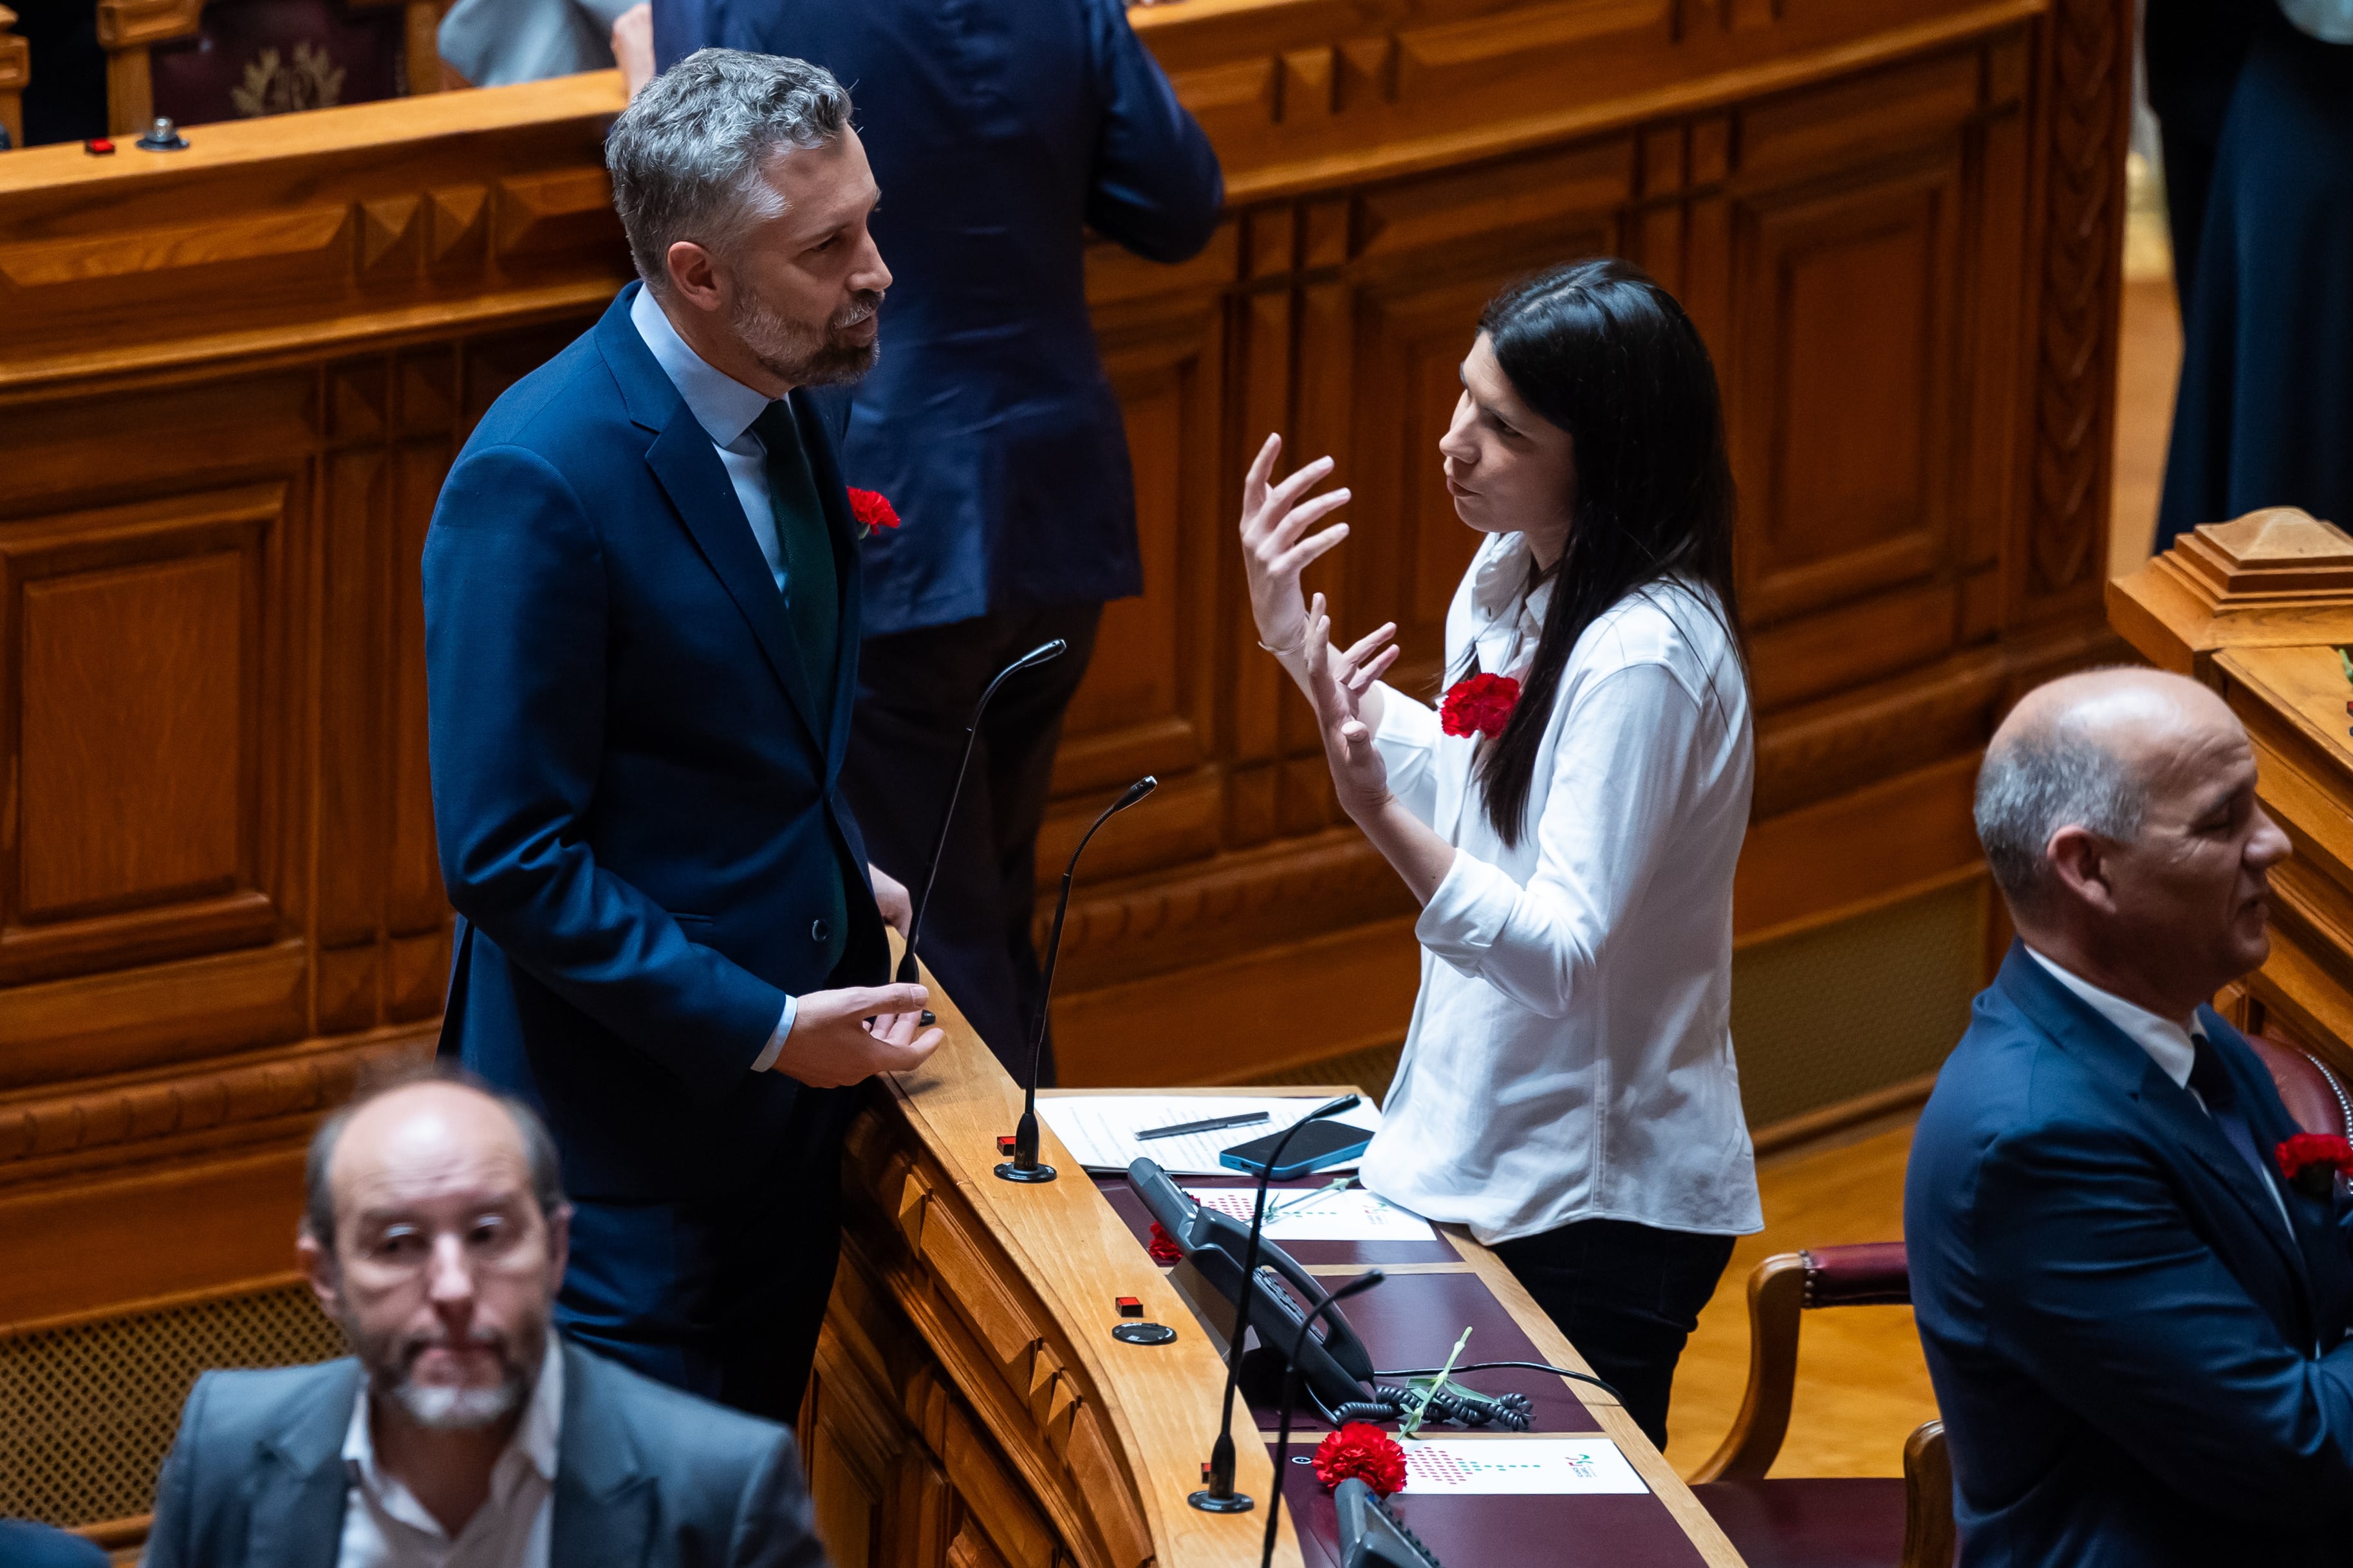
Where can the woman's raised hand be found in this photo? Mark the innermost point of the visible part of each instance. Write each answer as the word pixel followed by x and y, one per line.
pixel 1337 683
pixel 1276 545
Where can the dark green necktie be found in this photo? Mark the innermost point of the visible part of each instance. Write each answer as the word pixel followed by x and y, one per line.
pixel 812 587
pixel 813 606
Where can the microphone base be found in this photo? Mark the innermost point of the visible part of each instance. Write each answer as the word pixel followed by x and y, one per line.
pixel 1009 1172
pixel 1208 1501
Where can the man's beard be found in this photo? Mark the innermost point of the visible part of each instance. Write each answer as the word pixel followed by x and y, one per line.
pixel 800 355
pixel 388 1363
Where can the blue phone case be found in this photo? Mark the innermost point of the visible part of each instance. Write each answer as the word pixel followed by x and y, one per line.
pixel 1298 1164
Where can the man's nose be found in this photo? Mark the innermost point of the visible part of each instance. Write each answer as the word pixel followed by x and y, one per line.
pixel 2268 845
pixel 451 1276
pixel 871 272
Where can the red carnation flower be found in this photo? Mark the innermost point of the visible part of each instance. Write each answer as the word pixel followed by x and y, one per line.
pixel 872 509
pixel 1479 705
pixel 1362 1450
pixel 1163 1247
pixel 2313 1161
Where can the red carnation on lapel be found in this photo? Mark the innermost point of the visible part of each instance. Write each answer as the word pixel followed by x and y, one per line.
pixel 1360 1448
pixel 872 509
pixel 2311 1162
pixel 1479 705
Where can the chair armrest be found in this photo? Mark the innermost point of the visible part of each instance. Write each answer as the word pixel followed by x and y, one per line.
pixel 1873 1274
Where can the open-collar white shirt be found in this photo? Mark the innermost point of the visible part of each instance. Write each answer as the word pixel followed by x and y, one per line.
pixel 1570 1054
pixel 385 1526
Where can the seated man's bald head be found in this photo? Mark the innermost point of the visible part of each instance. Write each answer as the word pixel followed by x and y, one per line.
pixel 2117 813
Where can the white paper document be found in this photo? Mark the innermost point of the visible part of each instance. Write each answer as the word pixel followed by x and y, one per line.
pixel 1323 1214
pixel 1520 1465
pixel 1100 1129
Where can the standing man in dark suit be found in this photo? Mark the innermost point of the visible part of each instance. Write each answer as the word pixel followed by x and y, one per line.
pixel 1001 130
pixel 642 639
pixel 461 1429
pixel 2136 1329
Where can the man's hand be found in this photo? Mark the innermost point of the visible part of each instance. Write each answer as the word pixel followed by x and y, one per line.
pixel 890 898
pixel 841 1037
pixel 633 46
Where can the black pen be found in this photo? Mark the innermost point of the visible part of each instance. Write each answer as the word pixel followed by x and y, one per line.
pixel 1215 1124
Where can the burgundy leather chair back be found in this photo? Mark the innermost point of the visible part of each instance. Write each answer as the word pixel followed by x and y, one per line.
pixel 2314 1096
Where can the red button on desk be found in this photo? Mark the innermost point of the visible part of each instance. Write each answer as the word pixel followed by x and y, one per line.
pixel 1131 1306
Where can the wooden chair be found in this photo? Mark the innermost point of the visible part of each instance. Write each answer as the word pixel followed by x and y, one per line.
pixel 205 86
pixel 1825 1523
pixel 15 71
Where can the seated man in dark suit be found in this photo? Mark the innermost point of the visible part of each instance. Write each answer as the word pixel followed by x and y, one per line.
pixel 24 1544
pixel 2136 1329
pixel 462 1430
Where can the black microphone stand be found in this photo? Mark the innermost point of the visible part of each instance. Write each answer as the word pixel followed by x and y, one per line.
pixel 1043 653
pixel 1023 1166
pixel 1362 1282
pixel 1219 1496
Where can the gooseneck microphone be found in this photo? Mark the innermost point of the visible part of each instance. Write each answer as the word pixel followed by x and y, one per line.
pixel 1219 1496
pixel 1023 1166
pixel 1042 653
pixel 1361 1283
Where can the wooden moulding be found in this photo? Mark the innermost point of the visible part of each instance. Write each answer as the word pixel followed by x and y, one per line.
pixel 2273 578
pixel 15 75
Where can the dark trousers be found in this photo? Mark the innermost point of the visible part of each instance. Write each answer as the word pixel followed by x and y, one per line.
pixel 915 693
pixel 1628 1297
pixel 720 1294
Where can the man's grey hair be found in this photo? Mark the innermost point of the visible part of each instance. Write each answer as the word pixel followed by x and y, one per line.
pixel 687 155
pixel 538 1146
pixel 2033 785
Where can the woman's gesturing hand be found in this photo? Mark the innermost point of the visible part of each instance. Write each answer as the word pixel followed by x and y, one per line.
pixel 1337 682
pixel 1276 546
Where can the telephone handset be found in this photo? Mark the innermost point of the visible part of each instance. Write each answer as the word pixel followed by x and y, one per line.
pixel 1334 1366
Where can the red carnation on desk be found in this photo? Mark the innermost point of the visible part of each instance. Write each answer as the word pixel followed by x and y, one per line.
pixel 1479 704
pixel 1360 1448
pixel 872 509
pixel 2311 1162
pixel 1163 1247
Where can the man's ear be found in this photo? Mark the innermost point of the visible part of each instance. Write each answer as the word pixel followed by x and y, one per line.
pixel 319 1267
pixel 2079 864
pixel 559 1241
pixel 693 275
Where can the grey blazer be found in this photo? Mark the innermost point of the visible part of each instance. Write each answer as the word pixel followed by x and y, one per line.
pixel 645 1477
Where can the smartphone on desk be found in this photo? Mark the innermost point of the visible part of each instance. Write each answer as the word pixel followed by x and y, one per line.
pixel 1318 1144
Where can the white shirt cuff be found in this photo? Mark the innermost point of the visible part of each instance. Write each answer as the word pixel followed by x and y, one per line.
pixel 769 1052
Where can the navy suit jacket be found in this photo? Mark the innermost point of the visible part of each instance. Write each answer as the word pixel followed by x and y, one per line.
pixel 2134 1364
pixel 634 788
pixel 999 131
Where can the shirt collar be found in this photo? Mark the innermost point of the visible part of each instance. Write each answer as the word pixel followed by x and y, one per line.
pixel 721 405
pixel 1507 615
pixel 2168 1043
pixel 533 1445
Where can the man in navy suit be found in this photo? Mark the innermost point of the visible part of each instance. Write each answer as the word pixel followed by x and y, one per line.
pixel 641 641
pixel 2136 1329
pixel 1001 131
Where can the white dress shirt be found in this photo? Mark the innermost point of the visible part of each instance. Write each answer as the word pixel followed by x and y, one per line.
pixel 385 1526
pixel 1570 1055
pixel 2168 1044
pixel 725 409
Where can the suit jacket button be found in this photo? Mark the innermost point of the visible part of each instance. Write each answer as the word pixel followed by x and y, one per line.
pixel 819 931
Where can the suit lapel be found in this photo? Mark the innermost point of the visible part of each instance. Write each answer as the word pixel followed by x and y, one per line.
pixel 691 474
pixel 2170 1111
pixel 297 1505
pixel 604 1511
pixel 825 470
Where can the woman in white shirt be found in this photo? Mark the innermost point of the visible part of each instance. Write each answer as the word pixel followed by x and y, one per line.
pixel 1568 819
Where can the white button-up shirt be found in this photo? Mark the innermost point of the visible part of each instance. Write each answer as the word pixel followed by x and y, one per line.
pixel 1570 1055
pixel 725 409
pixel 385 1526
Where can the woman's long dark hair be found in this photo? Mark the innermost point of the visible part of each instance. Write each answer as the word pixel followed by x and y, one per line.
pixel 1606 354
